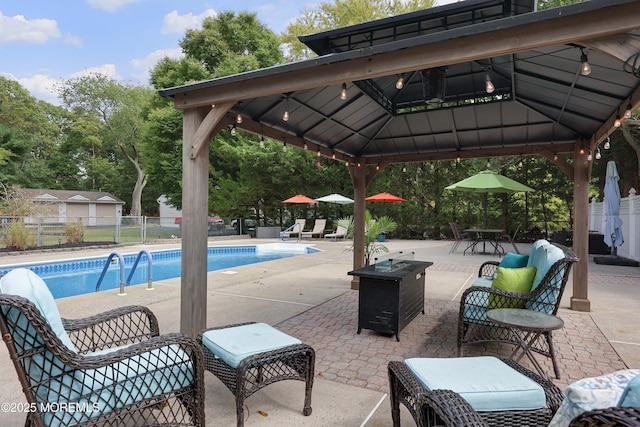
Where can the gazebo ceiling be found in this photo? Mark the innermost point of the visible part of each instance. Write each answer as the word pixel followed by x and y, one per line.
pixel 541 103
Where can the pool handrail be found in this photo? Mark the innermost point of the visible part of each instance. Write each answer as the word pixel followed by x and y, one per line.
pixel 149 269
pixel 106 267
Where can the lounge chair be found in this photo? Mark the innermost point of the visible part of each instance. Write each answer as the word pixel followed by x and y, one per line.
pixel 293 232
pixel 113 368
pixel 340 233
pixel 553 264
pixel 318 230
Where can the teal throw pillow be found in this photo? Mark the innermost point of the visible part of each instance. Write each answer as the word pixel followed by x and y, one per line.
pixel 517 280
pixel 512 260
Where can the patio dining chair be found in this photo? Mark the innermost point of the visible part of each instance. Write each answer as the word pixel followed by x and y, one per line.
pixel 112 369
pixel 458 236
pixel 511 238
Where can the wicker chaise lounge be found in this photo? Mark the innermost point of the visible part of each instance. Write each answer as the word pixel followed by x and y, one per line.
pixel 111 369
pixel 449 408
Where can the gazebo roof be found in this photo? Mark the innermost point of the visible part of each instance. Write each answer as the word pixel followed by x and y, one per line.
pixel 542 104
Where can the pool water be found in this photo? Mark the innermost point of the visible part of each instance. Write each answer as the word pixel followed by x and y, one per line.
pixel 80 276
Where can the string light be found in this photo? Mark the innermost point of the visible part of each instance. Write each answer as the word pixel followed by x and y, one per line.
pixel 598 153
pixel 627 112
pixel 590 156
pixel 318 153
pixel 400 83
pixel 285 116
pixel 333 154
pixel 489 87
pixel 585 68
pixel 555 157
pixel 239 118
pixel 261 140
pixel 284 147
pixel 233 130
pixel 607 143
pixel 343 92
pixel 617 122
pixel 581 150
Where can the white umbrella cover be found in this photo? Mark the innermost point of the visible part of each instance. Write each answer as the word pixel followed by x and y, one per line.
pixel 613 228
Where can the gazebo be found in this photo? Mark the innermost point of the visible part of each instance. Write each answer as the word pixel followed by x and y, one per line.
pixel 477 78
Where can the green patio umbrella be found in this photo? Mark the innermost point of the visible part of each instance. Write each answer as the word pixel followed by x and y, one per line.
pixel 487 182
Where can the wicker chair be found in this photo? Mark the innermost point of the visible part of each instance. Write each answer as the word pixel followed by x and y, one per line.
pixel 473 326
pixel 445 407
pixel 616 416
pixel 108 369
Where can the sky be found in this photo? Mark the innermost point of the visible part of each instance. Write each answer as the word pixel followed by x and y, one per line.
pixel 43 42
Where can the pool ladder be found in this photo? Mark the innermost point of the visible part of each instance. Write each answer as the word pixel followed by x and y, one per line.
pixel 133 269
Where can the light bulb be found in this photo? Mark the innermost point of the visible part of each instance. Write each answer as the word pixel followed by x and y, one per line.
pixel 627 112
pixel 607 143
pixel 285 116
pixel 490 88
pixel 581 150
pixel 343 92
pixel 617 122
pixel 400 83
pixel 318 153
pixel 233 130
pixel 585 68
pixel 284 147
pixel 590 156
pixel 239 119
pixel 261 141
pixel 598 154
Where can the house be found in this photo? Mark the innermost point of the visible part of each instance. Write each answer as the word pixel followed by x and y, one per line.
pixel 92 207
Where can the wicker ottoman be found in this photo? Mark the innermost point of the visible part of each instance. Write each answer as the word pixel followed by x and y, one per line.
pixel 249 356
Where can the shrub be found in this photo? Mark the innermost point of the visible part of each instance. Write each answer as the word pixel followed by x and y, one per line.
pixel 74 232
pixel 18 236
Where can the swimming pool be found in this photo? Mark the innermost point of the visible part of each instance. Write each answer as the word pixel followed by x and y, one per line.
pixel 79 276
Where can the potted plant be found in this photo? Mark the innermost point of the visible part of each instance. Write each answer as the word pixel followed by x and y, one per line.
pixel 373 228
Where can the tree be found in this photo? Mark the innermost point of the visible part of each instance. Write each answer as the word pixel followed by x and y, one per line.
pixel 226 44
pixel 342 13
pixel 121 111
pixel 28 138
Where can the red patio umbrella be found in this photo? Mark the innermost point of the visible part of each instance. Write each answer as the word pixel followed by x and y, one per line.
pixel 385 197
pixel 299 198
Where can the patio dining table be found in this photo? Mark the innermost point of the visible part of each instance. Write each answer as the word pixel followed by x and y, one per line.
pixel 484 235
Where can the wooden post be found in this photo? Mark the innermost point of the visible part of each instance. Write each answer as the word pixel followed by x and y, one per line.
pixel 580 299
pixel 358 178
pixel 195 194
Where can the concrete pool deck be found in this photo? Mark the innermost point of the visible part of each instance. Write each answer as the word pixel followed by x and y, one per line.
pixel 310 297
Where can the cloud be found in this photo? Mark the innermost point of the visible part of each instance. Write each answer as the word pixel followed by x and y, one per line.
pixel 73 40
pixel 144 65
pixel 174 23
pixel 110 5
pixel 107 70
pixel 18 29
pixel 39 86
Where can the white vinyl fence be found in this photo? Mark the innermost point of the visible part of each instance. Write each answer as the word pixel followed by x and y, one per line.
pixel 630 216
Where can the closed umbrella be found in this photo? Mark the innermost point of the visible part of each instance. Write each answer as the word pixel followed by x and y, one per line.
pixel 613 228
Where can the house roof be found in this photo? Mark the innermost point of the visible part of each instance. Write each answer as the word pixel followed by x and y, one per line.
pixel 542 104
pixel 69 196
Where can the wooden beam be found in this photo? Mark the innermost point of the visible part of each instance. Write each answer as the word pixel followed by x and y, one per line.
pixel 358 179
pixel 426 52
pixel 195 206
pixel 209 127
pixel 580 298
